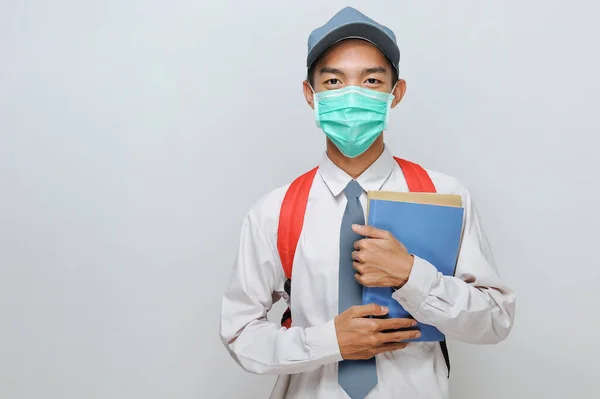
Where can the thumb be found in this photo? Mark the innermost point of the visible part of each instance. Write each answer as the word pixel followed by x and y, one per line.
pixel 371 232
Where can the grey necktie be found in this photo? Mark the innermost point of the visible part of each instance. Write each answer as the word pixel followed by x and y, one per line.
pixel 356 377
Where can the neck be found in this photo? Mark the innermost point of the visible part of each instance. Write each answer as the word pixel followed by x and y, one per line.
pixel 355 166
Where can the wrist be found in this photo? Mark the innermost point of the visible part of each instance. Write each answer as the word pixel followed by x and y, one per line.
pixel 406 266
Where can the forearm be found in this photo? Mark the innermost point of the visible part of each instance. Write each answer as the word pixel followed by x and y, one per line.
pixel 262 347
pixel 480 312
pixel 255 343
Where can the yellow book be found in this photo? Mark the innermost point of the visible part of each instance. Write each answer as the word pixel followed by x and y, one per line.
pixel 419 198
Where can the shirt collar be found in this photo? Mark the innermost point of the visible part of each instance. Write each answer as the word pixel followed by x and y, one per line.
pixel 371 179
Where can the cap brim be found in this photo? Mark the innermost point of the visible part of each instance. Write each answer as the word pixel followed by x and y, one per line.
pixel 356 30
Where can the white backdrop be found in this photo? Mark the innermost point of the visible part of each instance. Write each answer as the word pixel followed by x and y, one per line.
pixel 134 136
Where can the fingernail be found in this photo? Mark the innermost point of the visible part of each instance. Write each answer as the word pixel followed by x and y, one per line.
pixel 417 334
pixel 413 323
pixel 356 226
pixel 384 309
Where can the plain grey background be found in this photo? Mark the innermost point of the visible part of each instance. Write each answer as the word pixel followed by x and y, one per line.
pixel 134 136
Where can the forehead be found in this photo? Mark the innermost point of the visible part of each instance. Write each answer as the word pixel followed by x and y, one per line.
pixel 353 53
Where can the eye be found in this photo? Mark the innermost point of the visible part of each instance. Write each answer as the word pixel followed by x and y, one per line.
pixel 372 81
pixel 333 81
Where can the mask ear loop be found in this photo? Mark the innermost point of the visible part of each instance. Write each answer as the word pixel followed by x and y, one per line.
pixel 387 111
pixel 315 106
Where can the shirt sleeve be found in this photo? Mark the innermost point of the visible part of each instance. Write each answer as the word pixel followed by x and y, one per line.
pixel 474 305
pixel 258 345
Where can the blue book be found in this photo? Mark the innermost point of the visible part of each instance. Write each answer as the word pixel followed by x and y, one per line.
pixel 429 231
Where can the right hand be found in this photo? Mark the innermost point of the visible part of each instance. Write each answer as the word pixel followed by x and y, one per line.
pixel 360 337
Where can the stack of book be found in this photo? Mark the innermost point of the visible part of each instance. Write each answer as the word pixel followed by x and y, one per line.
pixel 430 226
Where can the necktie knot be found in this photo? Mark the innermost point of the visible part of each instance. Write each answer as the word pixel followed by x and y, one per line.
pixel 353 190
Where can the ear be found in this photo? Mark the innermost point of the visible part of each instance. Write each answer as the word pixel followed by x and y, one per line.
pixel 398 92
pixel 308 94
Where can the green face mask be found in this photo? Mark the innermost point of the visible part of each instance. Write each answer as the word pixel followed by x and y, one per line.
pixel 352 117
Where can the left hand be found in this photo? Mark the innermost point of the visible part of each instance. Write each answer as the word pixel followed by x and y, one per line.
pixel 380 259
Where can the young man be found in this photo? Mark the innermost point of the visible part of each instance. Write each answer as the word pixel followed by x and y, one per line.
pixel 334 349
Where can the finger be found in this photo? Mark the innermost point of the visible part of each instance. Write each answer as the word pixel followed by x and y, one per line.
pixel 359 267
pixel 370 244
pixel 398 336
pixel 371 309
pixel 368 280
pixel 370 231
pixel 365 243
pixel 361 278
pixel 360 256
pixel 395 323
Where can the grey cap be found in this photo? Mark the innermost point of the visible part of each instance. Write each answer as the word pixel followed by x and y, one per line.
pixel 350 23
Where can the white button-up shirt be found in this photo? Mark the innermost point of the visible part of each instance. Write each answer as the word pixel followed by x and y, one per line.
pixel 474 306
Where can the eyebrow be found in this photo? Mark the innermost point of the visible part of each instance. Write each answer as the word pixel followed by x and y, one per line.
pixel 366 71
pixel 333 71
pixel 378 69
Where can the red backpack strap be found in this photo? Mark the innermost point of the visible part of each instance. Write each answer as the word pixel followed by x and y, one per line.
pixel 291 219
pixel 417 178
